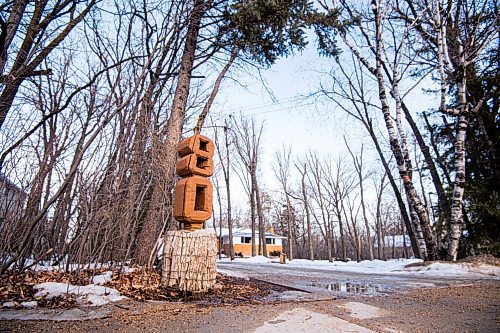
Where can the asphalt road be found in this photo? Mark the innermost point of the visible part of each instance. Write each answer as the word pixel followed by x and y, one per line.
pixel 330 301
pixel 340 283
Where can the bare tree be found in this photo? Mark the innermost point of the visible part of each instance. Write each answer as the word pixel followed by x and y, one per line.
pixel 39 27
pixel 247 141
pixel 317 173
pixel 339 183
pixel 358 166
pixel 225 165
pixel 457 35
pixel 281 170
pixel 302 169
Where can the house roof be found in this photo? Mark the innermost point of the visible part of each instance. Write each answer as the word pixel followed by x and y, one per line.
pixel 245 232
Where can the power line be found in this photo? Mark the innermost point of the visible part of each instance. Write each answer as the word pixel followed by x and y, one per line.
pixel 279 102
pixel 272 107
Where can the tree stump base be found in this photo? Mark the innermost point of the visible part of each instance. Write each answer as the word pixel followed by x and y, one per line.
pixel 189 261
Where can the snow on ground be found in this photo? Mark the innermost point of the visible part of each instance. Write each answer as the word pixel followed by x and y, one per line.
pixel 91 295
pixel 233 274
pixel 396 266
pixel 103 278
pixel 457 269
pixel 254 260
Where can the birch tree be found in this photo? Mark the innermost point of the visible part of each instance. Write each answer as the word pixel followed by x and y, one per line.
pixel 459 35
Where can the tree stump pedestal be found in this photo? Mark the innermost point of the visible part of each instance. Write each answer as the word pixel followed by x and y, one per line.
pixel 189 261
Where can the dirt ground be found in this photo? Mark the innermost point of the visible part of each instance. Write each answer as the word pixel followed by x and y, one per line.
pixel 471 308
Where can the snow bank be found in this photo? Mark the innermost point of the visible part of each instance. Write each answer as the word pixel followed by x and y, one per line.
pixel 456 269
pixel 395 266
pixel 374 267
pixel 399 266
pixel 91 295
pixel 253 260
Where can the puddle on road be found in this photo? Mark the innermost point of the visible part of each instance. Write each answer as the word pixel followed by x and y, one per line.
pixel 352 288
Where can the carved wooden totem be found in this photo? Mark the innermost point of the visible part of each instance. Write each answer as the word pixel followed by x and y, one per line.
pixel 193 193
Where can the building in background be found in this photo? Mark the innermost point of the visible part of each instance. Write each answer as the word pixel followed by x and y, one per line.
pixel 242 240
pixel 12 199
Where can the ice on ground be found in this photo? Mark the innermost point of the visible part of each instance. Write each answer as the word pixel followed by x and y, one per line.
pixel 90 295
pixel 362 311
pixel 234 274
pixel 303 320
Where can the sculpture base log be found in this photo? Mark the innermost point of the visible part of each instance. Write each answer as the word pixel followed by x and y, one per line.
pixel 189 262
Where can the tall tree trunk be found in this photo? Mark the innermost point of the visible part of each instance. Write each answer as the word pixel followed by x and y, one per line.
pixel 252 217
pixel 308 214
pixel 378 217
pixel 458 188
pixel 260 214
pixel 342 233
pixel 402 207
pixel 358 165
pixel 219 202
pixel 161 200
pixel 395 147
pixel 289 226
pixel 228 193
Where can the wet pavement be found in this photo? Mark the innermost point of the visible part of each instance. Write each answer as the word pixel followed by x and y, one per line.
pixel 328 283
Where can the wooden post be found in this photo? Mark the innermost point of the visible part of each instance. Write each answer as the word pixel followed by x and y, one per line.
pixel 189 262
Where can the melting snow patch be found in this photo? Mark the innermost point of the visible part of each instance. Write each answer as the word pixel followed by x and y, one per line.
pixel 29 305
pixel 234 274
pixel 305 321
pixel 91 295
pixel 362 311
pixel 456 269
pixel 9 305
pixel 103 278
pixel 254 260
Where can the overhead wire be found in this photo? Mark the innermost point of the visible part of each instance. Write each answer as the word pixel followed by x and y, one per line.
pixel 272 107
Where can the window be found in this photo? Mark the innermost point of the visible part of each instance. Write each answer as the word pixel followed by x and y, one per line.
pixel 246 240
pixel 203 145
pixel 201 162
pixel 199 202
pixel 270 241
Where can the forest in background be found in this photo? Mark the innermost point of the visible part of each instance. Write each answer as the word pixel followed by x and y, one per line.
pixel 95 96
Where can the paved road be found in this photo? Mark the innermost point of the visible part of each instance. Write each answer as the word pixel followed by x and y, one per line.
pixel 343 307
pixel 339 283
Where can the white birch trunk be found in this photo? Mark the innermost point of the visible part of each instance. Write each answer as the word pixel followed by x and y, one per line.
pixel 413 196
pixel 456 221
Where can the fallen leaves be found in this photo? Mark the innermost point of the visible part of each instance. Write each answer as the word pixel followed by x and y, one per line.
pixel 139 284
pixel 16 288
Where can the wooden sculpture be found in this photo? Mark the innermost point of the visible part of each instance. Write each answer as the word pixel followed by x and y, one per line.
pixel 193 193
pixel 190 254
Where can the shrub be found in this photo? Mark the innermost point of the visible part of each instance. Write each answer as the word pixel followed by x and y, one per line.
pixel 275 253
